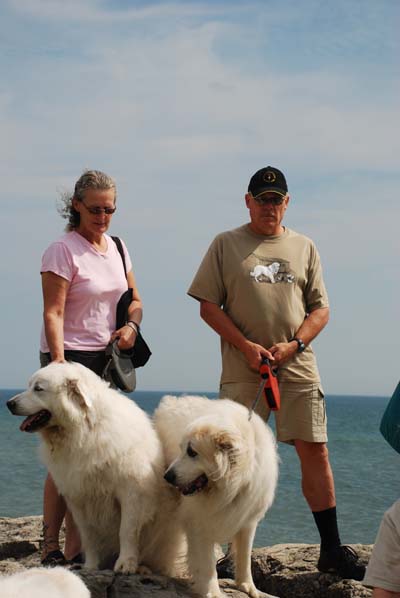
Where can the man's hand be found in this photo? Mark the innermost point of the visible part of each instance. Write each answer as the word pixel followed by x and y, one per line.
pixel 254 353
pixel 283 352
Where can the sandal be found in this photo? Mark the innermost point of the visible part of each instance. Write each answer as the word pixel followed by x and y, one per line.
pixel 55 558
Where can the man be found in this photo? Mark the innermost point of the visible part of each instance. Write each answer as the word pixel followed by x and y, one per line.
pixel 261 289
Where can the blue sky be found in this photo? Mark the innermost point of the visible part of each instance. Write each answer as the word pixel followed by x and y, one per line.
pixel 182 102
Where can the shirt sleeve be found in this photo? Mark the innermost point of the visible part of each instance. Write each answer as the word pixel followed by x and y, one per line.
pixel 208 284
pixel 316 295
pixel 384 566
pixel 57 259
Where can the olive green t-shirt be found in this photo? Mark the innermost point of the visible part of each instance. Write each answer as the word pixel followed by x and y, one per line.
pixel 266 285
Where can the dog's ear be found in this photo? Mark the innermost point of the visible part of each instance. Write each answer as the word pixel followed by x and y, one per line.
pixel 224 441
pixel 77 392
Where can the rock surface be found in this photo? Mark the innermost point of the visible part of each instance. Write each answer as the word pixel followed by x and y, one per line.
pixel 284 570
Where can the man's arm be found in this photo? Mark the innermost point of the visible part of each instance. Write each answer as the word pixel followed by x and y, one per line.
pixel 215 317
pixel 310 328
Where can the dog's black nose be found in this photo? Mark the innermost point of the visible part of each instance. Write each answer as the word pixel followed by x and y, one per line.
pixel 170 476
pixel 11 404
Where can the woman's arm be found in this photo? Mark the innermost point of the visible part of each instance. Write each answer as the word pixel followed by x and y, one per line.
pixel 55 289
pixel 127 333
pixel 135 310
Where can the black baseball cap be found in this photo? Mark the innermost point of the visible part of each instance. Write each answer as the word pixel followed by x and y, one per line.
pixel 268 179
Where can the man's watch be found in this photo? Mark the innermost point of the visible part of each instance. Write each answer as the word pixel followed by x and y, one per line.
pixel 300 345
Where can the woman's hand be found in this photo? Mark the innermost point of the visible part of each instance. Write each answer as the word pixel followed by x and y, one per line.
pixel 127 337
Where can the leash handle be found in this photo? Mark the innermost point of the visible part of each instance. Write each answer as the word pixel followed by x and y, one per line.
pixel 271 388
pixel 268 384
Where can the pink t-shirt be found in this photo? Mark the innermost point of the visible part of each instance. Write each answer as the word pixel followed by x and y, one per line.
pixel 97 281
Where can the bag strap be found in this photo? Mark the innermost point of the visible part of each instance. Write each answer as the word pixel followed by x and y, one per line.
pixel 118 243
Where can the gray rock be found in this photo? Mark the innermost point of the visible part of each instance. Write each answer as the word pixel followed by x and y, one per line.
pixel 284 570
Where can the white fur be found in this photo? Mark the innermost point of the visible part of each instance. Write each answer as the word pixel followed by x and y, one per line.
pixel 106 460
pixel 239 458
pixel 43 583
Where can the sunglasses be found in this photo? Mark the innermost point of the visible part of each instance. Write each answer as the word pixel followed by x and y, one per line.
pixel 97 210
pixel 276 200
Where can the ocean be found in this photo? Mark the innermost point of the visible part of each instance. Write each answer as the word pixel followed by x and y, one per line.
pixel 366 470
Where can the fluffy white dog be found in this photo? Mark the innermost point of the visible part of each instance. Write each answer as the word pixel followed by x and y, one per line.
pixel 43 583
pixel 107 461
pixel 226 467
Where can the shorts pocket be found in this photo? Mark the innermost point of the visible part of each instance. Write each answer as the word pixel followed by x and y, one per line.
pixel 319 406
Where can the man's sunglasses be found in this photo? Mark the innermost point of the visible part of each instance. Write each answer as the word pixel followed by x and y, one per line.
pixel 98 211
pixel 276 200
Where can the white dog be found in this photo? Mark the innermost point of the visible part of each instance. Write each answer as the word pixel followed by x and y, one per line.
pixel 107 461
pixel 226 467
pixel 43 583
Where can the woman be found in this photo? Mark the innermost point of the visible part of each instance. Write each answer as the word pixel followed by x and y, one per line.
pixel 83 278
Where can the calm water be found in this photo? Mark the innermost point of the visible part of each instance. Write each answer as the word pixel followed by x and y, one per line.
pixel 366 469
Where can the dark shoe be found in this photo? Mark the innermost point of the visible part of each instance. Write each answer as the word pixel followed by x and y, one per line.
pixel 225 567
pixel 342 561
pixel 78 559
pixel 55 558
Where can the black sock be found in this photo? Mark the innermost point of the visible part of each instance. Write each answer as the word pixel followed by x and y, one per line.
pixel 328 528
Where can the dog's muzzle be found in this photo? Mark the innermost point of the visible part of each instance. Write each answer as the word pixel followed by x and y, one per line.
pixel 193 487
pixel 32 423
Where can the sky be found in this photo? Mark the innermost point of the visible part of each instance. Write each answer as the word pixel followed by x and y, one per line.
pixel 181 102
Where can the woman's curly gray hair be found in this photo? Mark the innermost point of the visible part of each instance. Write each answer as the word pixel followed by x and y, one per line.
pixel 90 179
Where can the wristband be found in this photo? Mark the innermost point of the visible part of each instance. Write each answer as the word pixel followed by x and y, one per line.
pixel 133 325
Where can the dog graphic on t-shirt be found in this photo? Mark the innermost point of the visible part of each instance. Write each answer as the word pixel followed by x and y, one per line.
pixel 267 272
pixel 270 273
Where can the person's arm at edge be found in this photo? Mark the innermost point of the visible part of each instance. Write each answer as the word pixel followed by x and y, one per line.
pixel 310 328
pixel 381 593
pixel 219 321
pixel 55 289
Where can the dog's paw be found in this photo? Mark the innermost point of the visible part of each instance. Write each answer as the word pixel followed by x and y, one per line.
pixel 212 591
pixel 249 588
pixel 128 566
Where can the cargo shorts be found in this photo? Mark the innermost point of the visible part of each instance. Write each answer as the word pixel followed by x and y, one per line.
pixel 302 415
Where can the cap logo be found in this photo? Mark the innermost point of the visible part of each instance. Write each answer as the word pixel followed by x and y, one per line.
pixel 269 176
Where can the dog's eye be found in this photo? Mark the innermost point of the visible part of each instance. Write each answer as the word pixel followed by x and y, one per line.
pixel 37 388
pixel 190 452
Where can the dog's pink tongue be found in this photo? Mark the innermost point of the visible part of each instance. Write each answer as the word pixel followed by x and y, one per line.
pixel 27 422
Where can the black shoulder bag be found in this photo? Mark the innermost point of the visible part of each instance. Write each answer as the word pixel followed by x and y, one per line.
pixel 140 353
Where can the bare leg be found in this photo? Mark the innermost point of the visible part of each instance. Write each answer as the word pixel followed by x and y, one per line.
pixel 317 478
pixel 53 514
pixel 72 537
pixel 54 510
pixel 380 593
